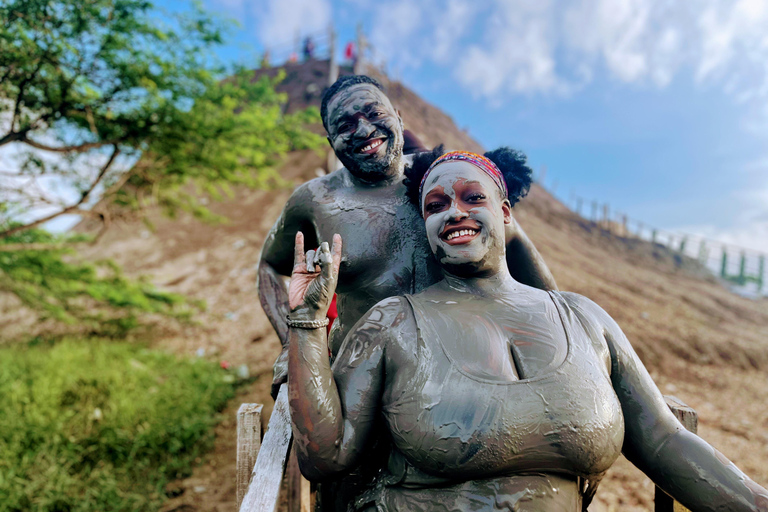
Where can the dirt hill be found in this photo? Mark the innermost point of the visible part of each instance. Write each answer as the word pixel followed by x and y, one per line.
pixel 699 341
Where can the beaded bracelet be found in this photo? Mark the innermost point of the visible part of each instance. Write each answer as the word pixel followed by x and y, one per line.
pixel 307 324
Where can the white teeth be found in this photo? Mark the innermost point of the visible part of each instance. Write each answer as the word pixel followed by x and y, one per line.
pixel 371 145
pixel 461 232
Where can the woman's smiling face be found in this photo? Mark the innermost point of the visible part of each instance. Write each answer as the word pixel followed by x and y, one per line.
pixel 465 217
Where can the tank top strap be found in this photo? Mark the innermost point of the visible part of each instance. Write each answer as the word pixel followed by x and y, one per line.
pixel 425 330
pixel 574 329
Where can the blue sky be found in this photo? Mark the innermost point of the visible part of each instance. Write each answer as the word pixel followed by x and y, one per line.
pixel 657 107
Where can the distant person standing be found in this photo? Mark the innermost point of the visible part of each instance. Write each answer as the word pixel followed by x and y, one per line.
pixel 309 48
pixel 350 53
pixel 265 59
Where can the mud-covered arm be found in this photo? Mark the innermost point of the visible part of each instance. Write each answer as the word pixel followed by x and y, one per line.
pixel 524 261
pixel 334 411
pixel 277 257
pixel 331 418
pixel 678 461
pixel 275 263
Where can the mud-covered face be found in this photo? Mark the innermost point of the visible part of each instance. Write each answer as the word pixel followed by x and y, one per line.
pixel 465 217
pixel 366 132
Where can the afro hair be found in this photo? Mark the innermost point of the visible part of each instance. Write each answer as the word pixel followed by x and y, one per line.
pixel 512 164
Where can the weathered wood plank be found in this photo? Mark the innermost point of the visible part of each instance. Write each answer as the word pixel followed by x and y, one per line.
pixel 690 420
pixel 248 443
pixel 270 464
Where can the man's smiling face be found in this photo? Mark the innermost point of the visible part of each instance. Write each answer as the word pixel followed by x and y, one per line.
pixel 366 132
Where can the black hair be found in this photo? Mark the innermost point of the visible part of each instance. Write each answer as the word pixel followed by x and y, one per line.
pixel 342 83
pixel 512 164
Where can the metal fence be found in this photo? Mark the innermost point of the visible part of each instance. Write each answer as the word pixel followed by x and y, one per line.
pixel 745 269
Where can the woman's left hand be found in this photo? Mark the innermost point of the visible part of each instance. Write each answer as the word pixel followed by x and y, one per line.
pixel 311 289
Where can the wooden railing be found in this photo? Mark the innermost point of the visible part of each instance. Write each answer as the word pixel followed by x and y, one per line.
pixel 261 465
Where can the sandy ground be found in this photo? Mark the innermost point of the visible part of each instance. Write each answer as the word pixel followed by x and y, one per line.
pixel 700 342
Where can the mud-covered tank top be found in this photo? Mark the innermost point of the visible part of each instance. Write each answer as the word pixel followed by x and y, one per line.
pixel 453 431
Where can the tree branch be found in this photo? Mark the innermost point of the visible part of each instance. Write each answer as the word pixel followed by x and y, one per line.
pixel 68 209
pixel 12 136
pixel 68 149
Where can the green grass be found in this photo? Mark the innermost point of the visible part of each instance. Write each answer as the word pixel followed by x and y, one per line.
pixel 90 425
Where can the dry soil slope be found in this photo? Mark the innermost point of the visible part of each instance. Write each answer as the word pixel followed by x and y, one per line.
pixel 700 342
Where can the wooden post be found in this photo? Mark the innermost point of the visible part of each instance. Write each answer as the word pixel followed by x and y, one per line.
pixel 742 269
pixel 248 444
pixel 687 416
pixel 724 265
pixel 270 463
pixel 361 47
pixel 682 245
pixel 606 210
pixel 594 212
pixel 653 236
pixel 760 273
pixel 299 491
pixel 333 72
pixel 625 231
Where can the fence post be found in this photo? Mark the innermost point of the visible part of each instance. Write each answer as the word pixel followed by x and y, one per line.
pixel 724 265
pixel 361 46
pixel 682 245
pixel 653 236
pixel 248 444
pixel 606 210
pixel 687 416
pixel 270 463
pixel 594 212
pixel 742 269
pixel 333 72
pixel 760 273
pixel 625 232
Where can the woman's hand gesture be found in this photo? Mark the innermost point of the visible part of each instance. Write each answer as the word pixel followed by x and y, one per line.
pixel 311 289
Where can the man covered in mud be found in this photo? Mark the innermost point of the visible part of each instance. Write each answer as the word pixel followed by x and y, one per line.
pixel 386 252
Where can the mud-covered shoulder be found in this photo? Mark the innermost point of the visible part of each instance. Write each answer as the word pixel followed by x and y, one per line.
pixel 598 324
pixel 389 326
pixel 321 185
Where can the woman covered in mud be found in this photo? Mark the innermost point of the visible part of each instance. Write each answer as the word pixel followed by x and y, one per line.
pixel 493 395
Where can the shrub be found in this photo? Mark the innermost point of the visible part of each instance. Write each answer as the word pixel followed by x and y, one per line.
pixel 90 425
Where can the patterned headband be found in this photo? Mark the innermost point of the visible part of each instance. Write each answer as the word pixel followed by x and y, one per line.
pixel 478 161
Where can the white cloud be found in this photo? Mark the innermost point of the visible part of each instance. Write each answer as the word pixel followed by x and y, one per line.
pixel 407 33
pixel 395 34
pixel 613 29
pixel 454 21
pixel 280 20
pixel 550 46
pixel 276 23
pixel 516 53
